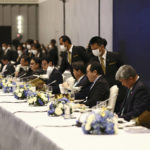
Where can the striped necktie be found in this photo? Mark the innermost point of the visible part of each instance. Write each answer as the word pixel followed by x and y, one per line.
pixel 69 57
pixel 102 64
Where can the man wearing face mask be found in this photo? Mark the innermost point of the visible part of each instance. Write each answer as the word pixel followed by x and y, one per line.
pixel 27 50
pixel 7 51
pixel 70 54
pixel 110 63
pixel 54 76
pixel 20 53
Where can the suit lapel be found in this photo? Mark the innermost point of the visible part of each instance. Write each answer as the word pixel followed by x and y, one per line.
pixel 107 61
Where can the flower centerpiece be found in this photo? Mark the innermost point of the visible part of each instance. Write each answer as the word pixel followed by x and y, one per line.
pixel 21 92
pixel 103 122
pixel 7 86
pixel 60 107
pixel 37 98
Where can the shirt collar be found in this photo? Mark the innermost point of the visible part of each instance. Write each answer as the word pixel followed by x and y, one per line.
pixel 96 79
pixel 104 55
pixel 80 79
pixel 134 84
pixel 70 50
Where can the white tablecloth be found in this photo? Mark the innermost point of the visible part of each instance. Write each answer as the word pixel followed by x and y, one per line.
pixel 31 130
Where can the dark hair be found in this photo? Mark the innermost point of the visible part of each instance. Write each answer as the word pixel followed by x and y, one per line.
pixel 20 45
pixel 37 60
pixel 5 57
pixel 98 40
pixel 79 65
pixel 65 38
pixel 53 41
pixel 29 41
pixel 26 58
pixel 48 59
pixel 96 66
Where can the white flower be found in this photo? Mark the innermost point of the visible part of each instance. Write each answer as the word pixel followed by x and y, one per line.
pixel 34 99
pixel 30 101
pixel 19 94
pixel 87 126
pixel 60 105
pixel 9 85
pixel 58 111
pixel 21 90
pixel 17 91
pixel 89 121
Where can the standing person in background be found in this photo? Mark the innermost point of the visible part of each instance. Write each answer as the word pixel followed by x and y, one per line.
pixel 19 53
pixel 70 54
pixel 53 51
pixel 110 63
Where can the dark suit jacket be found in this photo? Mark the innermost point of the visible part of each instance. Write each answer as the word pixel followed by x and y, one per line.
pixel 9 70
pixel 85 87
pixel 53 53
pixel 99 92
pixel 137 102
pixel 113 63
pixel 1 54
pixel 55 75
pixel 78 54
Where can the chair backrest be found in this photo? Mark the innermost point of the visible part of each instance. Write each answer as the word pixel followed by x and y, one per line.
pixel 113 97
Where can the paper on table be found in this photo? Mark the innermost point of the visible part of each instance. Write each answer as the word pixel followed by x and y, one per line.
pixel 137 129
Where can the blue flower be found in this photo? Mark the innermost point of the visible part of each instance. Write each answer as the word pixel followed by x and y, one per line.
pixel 84 131
pixel 40 102
pixel 63 100
pixel 51 111
pixel 109 128
pixel 16 96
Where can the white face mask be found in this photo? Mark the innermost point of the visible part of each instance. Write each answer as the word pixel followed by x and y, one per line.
pixel 19 52
pixel 3 48
pixel 34 51
pixel 96 52
pixel 50 46
pixel 63 48
pixel 28 46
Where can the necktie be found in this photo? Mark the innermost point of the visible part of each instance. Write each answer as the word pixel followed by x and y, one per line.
pixel 69 57
pixel 102 64
pixel 125 103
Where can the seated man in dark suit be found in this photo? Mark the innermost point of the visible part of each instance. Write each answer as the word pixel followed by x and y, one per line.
pixel 138 99
pixel 99 90
pixel 81 80
pixel 23 67
pixel 35 69
pixel 8 68
pixel 70 54
pixel 54 76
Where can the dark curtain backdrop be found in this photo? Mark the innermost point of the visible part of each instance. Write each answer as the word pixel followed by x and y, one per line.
pixel 131 34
